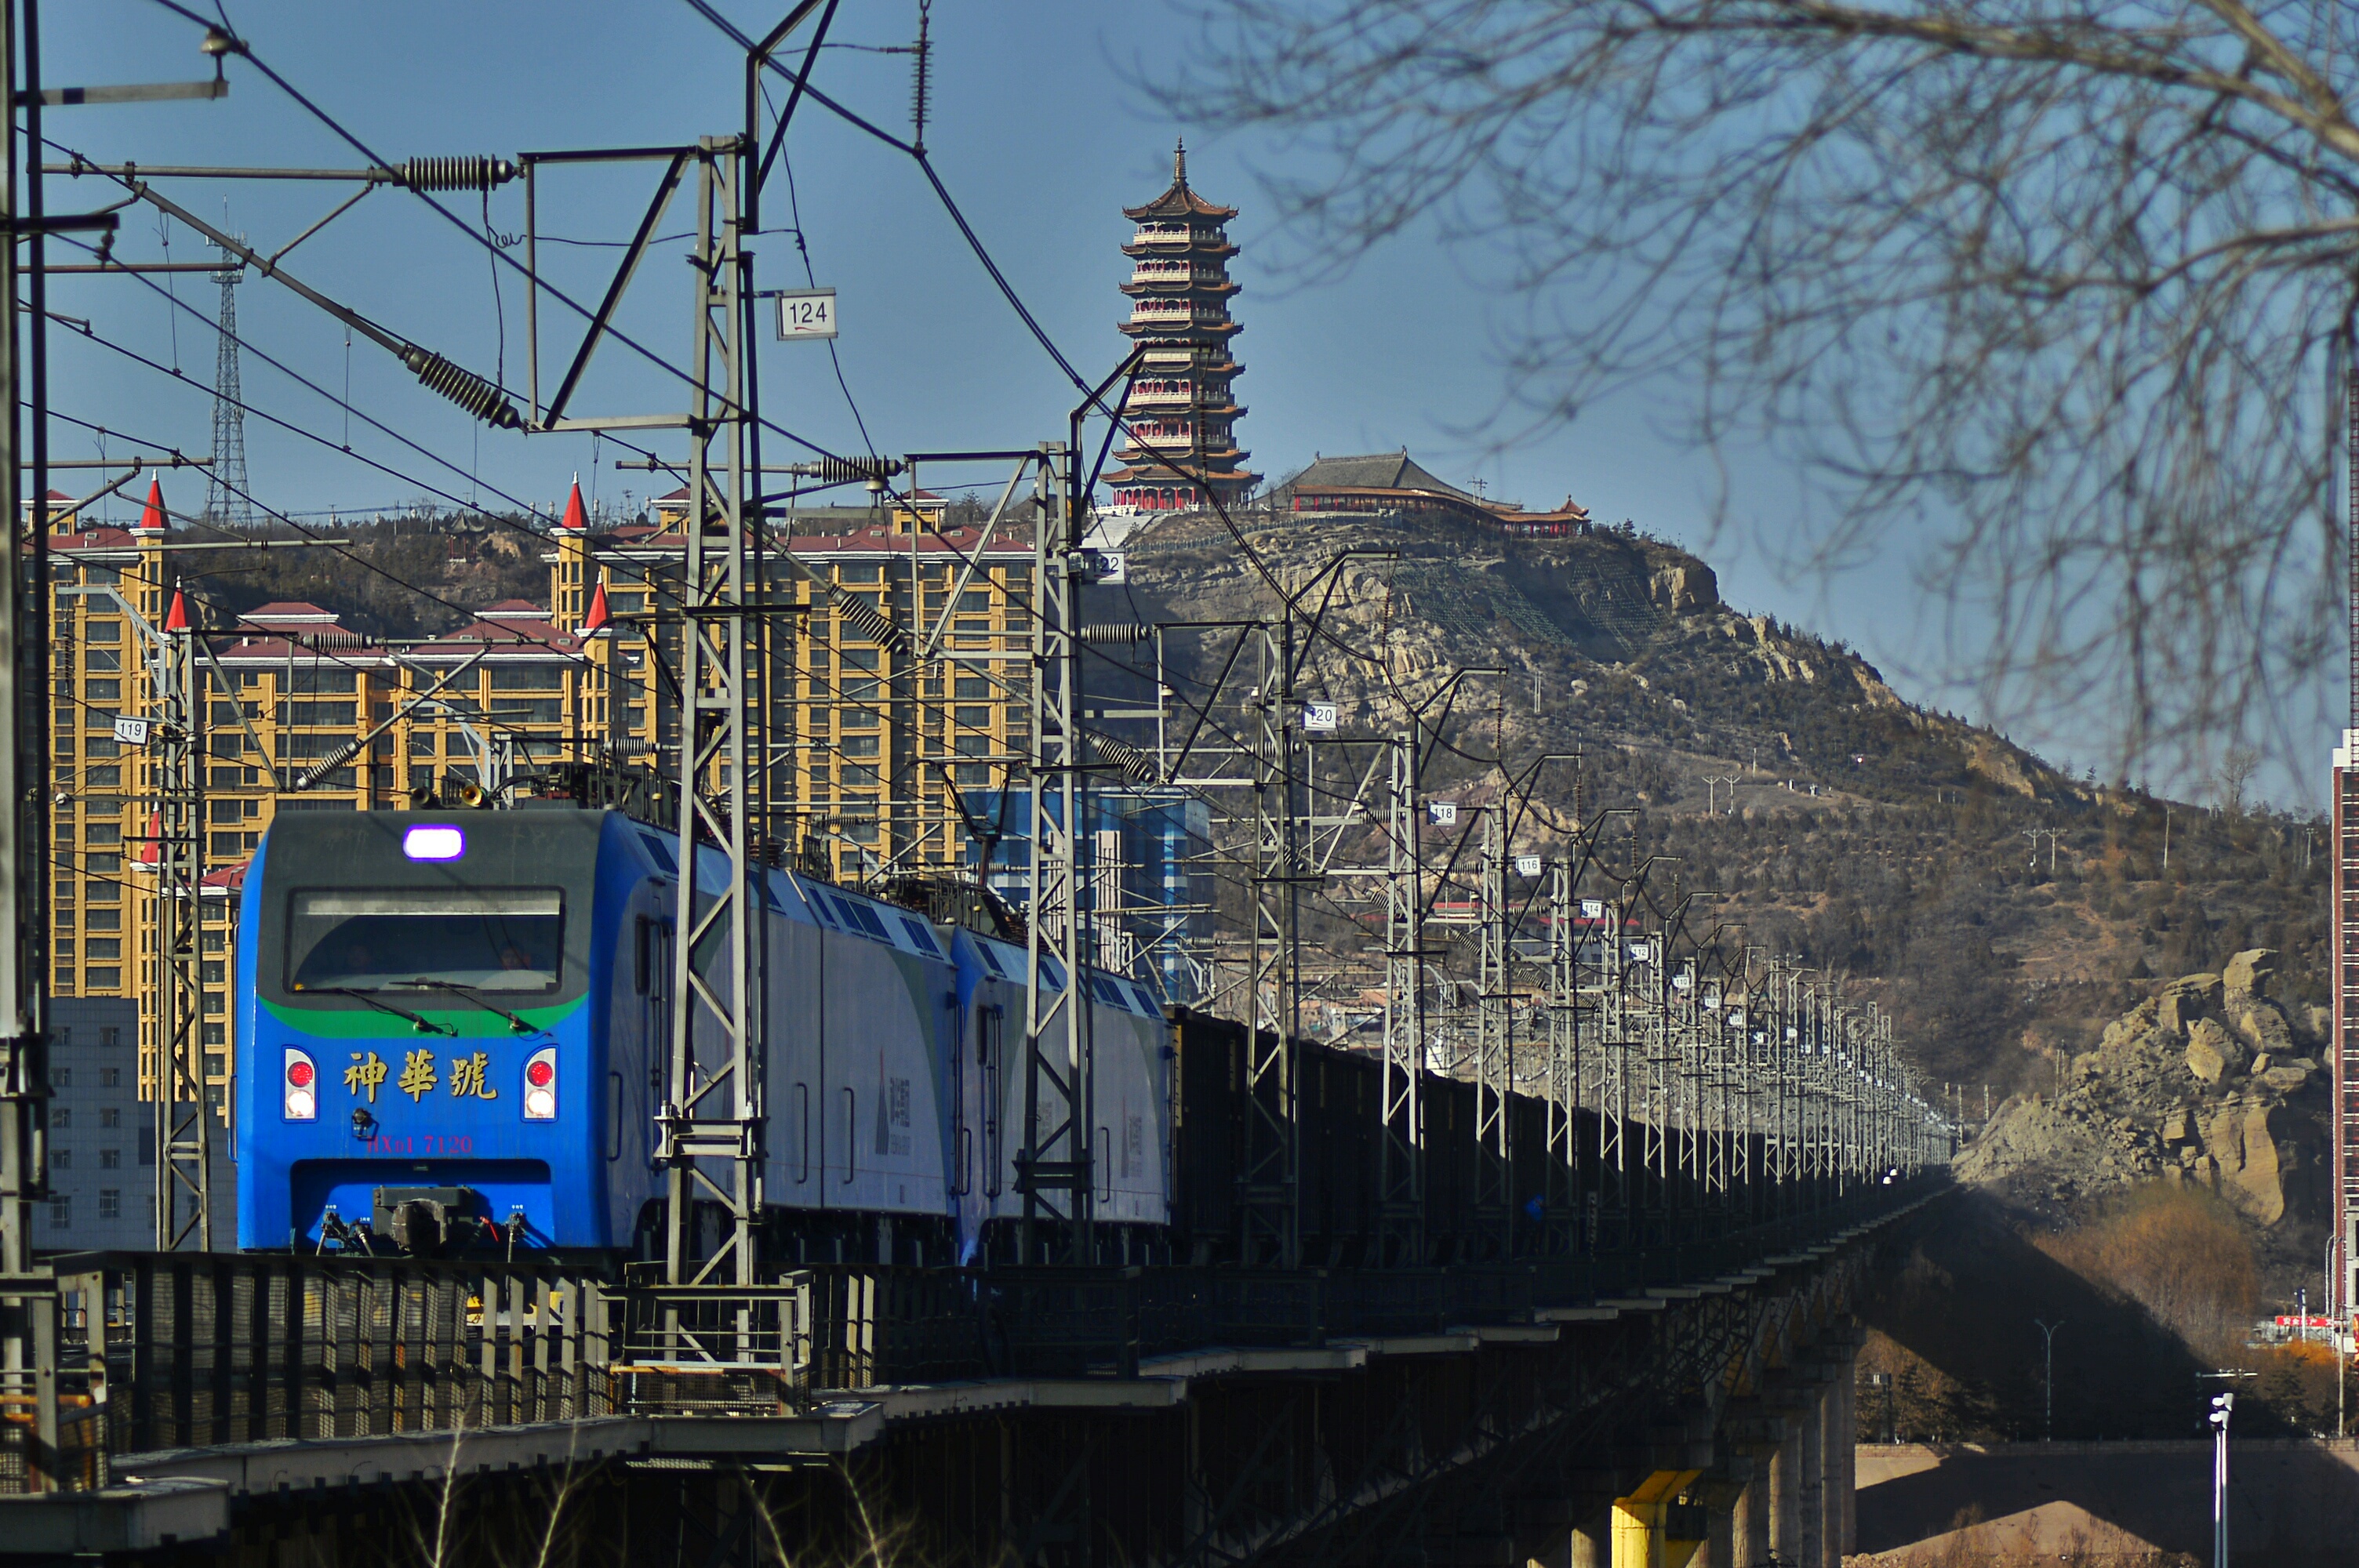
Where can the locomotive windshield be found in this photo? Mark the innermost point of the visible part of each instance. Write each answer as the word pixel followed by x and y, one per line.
pixel 391 939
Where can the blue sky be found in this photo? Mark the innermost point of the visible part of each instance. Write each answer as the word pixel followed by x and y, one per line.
pixel 1041 133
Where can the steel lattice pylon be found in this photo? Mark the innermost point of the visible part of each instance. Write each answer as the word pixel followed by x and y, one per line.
pixel 229 499
pixel 1401 1196
pixel 1493 1054
pixel 183 1121
pixel 1270 1180
pixel 1054 1164
pixel 713 1098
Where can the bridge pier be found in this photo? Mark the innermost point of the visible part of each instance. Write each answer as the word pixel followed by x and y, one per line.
pixel 1786 1495
pixel 1750 1532
pixel 1592 1539
pixel 1652 1527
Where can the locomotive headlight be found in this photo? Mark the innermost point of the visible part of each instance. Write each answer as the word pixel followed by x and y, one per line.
pixel 541 1084
pixel 300 1086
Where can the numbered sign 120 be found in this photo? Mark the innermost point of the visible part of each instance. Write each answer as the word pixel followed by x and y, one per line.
pixel 807 313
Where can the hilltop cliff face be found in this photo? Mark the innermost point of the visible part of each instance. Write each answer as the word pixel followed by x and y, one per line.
pixel 1617 635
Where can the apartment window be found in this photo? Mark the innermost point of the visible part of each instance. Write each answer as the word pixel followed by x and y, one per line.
pixel 63 948
pixel 215 941
pixel 108 777
pixel 103 920
pixel 101 980
pixel 215 1035
pixel 972 688
pixel 101 948
pixel 311 682
pixel 110 1202
pixel 60 1078
pixel 109 1035
pixel 62 1211
pixel 331 715
pixel 973 718
pixel 109 1116
pixel 102 690
pixel 96 630
pixel 61 1159
pixel 61 1117
pixel 110 1159
pixel 103 833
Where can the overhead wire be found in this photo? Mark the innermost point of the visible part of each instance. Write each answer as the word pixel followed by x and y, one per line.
pixel 950 205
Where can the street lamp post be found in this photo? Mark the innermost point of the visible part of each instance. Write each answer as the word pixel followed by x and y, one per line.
pixel 2047 1383
pixel 2222 1406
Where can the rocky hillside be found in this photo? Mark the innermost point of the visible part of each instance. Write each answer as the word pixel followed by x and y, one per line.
pixel 1776 771
pixel 2208 1081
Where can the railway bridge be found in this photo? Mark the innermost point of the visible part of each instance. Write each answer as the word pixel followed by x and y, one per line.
pixel 1684 1401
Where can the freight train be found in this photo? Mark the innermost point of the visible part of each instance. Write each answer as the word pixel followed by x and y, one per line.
pixel 459 1019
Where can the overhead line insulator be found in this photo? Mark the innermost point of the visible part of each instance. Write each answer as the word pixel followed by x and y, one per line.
pixel 843 470
pixel 470 171
pixel 1137 766
pixel 1125 633
pixel 465 388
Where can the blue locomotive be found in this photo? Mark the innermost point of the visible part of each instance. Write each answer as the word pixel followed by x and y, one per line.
pixel 458 1029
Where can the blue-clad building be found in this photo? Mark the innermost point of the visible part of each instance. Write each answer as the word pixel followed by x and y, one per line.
pixel 1149 876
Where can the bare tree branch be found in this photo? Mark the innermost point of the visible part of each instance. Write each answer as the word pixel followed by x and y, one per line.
pixel 2045 281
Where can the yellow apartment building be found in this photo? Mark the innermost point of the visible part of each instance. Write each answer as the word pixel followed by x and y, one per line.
pixel 895 673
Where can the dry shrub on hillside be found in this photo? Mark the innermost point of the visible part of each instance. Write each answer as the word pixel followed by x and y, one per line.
pixel 2175 1251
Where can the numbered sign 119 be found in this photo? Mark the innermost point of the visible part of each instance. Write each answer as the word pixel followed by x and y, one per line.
pixel 807 313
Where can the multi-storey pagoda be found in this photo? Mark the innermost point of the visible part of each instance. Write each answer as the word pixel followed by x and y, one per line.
pixel 1181 412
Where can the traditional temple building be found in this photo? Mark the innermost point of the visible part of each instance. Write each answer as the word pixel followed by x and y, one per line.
pixel 1395 485
pixel 1182 412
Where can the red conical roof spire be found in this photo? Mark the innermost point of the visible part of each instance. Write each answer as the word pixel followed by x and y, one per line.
pixel 177 619
pixel 575 518
pixel 152 519
pixel 596 620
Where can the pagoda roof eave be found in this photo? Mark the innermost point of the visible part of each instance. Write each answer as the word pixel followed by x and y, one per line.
pixel 1174 244
pixel 1164 473
pixel 1180 202
pixel 1168 330
pixel 1148 286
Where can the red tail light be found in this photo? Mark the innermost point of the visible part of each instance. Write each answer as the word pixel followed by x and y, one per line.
pixel 541 1084
pixel 300 1088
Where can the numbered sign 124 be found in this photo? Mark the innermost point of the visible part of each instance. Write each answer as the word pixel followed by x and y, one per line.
pixel 807 313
